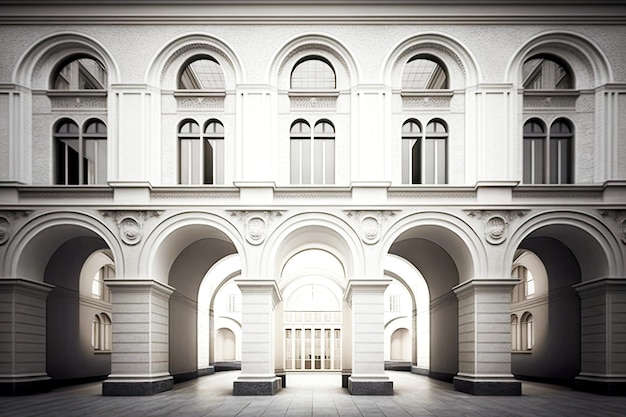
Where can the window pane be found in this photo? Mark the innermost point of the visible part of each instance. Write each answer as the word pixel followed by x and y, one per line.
pixel 218 161
pixel 81 74
pixel 208 162
pixel 545 74
pixel 313 74
pixel 424 74
pixel 202 74
pixel 185 161
pixel 441 170
pixel 95 160
pixel 416 162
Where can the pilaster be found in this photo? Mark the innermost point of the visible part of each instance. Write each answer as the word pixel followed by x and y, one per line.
pixel 258 375
pixel 140 355
pixel 603 326
pixel 366 298
pixel 485 338
pixel 23 336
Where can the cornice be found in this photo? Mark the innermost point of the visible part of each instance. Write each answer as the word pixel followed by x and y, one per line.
pixel 120 12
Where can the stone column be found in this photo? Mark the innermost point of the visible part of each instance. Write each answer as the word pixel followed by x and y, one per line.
pixel 23 336
pixel 368 338
pixel 140 355
pixel 485 338
pixel 258 375
pixel 603 344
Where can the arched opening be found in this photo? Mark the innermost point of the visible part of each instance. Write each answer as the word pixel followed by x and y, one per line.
pixel 399 349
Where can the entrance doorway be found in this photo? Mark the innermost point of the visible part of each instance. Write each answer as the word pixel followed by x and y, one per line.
pixel 313 341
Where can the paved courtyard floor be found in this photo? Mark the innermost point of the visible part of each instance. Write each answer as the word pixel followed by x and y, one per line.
pixel 317 394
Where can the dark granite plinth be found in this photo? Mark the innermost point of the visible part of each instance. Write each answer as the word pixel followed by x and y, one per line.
pixel 283 379
pixel 206 371
pixel 10 388
pixel 601 386
pixel 478 387
pixel 370 387
pixel 420 371
pixel 136 388
pixel 344 380
pixel 258 387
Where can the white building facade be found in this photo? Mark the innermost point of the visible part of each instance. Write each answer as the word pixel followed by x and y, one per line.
pixel 312 186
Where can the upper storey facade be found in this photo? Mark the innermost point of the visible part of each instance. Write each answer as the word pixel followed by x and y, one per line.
pixel 312 93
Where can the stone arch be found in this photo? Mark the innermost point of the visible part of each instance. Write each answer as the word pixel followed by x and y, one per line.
pixel 590 65
pixel 313 230
pixel 34 243
pixel 163 67
pixel 594 246
pixel 459 61
pixel 34 67
pixel 328 47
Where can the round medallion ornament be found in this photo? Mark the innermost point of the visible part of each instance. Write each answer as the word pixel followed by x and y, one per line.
pixel 5 230
pixel 370 229
pixel 256 230
pixel 495 230
pixel 130 231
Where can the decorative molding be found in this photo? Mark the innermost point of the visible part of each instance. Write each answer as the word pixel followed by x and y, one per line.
pixel 7 218
pixel 200 102
pixel 130 223
pixel 190 195
pixel 313 102
pixel 65 103
pixel 496 222
pixel 619 218
pixel 552 194
pixel 435 194
pixel 370 223
pixel 414 102
pixel 311 195
pixel 256 223
pixel 79 195
pixel 550 102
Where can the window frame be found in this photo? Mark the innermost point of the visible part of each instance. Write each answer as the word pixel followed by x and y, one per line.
pixel 547 139
pixel 312 57
pixel 419 145
pixel 312 153
pixel 208 146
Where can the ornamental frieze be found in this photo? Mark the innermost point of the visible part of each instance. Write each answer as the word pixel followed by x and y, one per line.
pixel 496 223
pixel 130 223
pixel 370 223
pixel 619 218
pixel 7 219
pixel 255 223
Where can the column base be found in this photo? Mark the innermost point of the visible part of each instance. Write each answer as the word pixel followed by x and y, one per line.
pixel 257 386
pixel 119 386
pixel 601 385
pixel 370 386
pixel 210 370
pixel 25 385
pixel 344 379
pixel 487 386
pixel 420 371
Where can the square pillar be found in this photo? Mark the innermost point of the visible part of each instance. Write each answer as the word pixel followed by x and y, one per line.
pixel 485 338
pixel 23 336
pixel 603 345
pixel 140 354
pixel 258 376
pixel 366 298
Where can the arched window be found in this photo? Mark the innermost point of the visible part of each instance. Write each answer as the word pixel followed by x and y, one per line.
pixel 424 154
pixel 80 155
pixel 548 157
pixel 528 332
pixel 312 163
pixel 424 73
pixel 82 73
pixel 546 73
pixel 313 73
pixel 107 333
pixel 96 327
pixel 411 152
pixel 201 153
pixel 526 288
pixel 514 332
pixel 99 289
pixel 201 73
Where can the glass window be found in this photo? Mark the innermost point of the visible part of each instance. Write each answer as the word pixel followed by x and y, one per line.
pixel 312 153
pixel 514 332
pixel 80 157
pixel 201 155
pixel 202 74
pixel 107 334
pixel 324 153
pixel 411 152
pixel 80 74
pixel 300 148
pixel 95 332
pixel 542 73
pixel 548 159
pixel 424 73
pixel 313 73
pixel 528 332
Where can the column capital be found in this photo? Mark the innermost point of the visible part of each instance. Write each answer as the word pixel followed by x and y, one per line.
pixel 371 286
pixel 26 285
pixel 601 286
pixel 260 286
pixel 139 285
pixel 483 285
